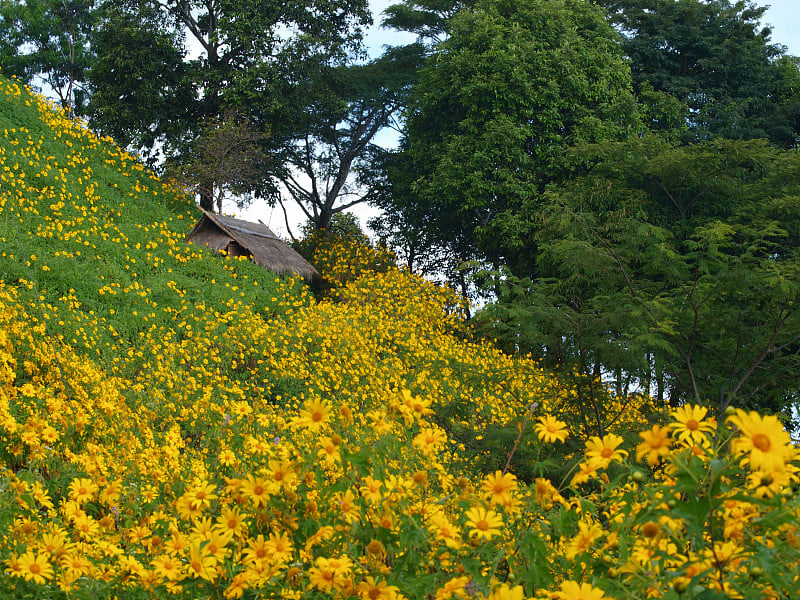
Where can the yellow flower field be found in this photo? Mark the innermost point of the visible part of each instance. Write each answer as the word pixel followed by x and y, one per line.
pixel 177 424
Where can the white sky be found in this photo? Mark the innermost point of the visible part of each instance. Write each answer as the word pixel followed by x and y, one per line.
pixel 783 16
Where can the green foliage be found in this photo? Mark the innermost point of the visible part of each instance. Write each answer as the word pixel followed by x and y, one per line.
pixel 428 19
pixel 496 104
pixel 715 57
pixel 669 268
pixel 336 112
pixel 141 89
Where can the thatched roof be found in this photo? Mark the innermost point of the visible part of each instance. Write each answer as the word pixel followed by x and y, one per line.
pixel 242 238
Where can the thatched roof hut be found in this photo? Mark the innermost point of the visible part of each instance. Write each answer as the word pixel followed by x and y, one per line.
pixel 254 240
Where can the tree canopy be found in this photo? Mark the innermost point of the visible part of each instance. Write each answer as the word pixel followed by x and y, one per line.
pixel 495 107
pixel 671 269
pixel 715 57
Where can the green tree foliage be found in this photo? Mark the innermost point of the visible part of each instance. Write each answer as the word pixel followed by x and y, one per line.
pixel 46 43
pixel 496 104
pixel 668 268
pixel 230 154
pixel 142 92
pixel 191 61
pixel 714 56
pixel 329 154
pixel 428 19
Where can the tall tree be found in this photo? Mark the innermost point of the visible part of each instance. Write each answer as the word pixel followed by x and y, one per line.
pixel 142 91
pixel 671 269
pixel 46 43
pixel 714 56
pixel 427 19
pixel 496 105
pixel 230 154
pixel 329 159
pixel 249 52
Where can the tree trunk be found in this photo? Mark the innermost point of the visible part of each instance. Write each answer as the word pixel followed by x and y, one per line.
pixel 206 196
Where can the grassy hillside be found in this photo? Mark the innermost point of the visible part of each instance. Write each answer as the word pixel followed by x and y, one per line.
pixel 177 424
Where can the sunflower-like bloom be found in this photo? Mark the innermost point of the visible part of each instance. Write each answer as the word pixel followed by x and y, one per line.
pixel 691 423
pixel 484 524
pixel 83 490
pixel 314 416
pixel 499 487
pixel 504 592
pixel 369 589
pixel 654 446
pixel 600 452
pixel 763 440
pixel 550 429
pixel 587 534
pixel 572 590
pixel 34 567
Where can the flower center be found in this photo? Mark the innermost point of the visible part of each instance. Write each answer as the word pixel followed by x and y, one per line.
pixel 483 525
pixel 606 452
pixel 762 442
pixel 692 425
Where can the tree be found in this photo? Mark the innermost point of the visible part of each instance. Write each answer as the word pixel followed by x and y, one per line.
pixel 714 56
pixel 328 161
pixel 230 154
pixel 428 19
pixel 496 105
pixel 142 93
pixel 46 43
pixel 250 53
pixel 671 269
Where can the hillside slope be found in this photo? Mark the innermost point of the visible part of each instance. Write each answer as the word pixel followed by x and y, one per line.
pixel 179 425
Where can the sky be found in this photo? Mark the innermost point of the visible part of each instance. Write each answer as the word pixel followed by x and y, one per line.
pixel 783 16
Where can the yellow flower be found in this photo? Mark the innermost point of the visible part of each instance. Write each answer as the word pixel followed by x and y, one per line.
pixel 484 524
pixel 454 587
pixel 369 589
pixel 586 471
pixel 238 584
pixel 231 522
pixel 328 574
pixel 257 551
pixel 600 452
pixel 314 416
pixel 765 484
pixel 429 439
pixel 168 567
pixel 550 429
pixel 504 592
pixel 655 445
pixel 371 490
pixel 280 546
pixel 691 423
pixel 200 564
pixel 258 490
pixel 583 540
pixel 763 439
pixel 83 490
pixel 445 531
pixel 34 567
pixel 201 494
pixel 572 590
pixel 499 487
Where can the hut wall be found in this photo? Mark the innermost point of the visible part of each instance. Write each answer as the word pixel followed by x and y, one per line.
pixel 212 236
